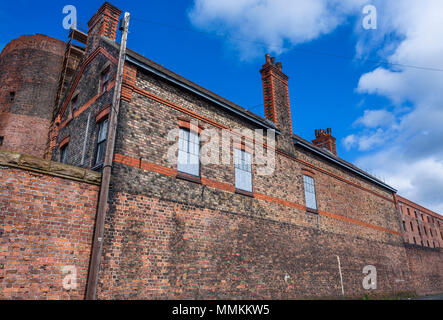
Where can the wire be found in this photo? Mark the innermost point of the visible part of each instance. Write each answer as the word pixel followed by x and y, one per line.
pixel 294 49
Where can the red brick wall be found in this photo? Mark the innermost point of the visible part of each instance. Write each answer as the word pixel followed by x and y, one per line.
pixel 22 133
pixel 420 226
pixel 170 238
pixel 426 267
pixel 46 224
pixel 161 249
pixel 29 68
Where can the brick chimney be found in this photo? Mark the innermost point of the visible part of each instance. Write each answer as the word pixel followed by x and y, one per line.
pixel 276 99
pixel 104 23
pixel 325 140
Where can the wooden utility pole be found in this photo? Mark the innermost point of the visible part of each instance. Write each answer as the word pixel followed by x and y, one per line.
pixel 94 266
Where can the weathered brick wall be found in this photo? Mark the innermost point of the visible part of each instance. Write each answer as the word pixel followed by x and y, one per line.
pixel 420 226
pixel 170 238
pixel 158 249
pixel 47 220
pixel 29 73
pixel 426 267
pixel 23 133
pixel 79 123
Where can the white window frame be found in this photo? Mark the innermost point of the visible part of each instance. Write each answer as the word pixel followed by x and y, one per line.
pixel 188 160
pixel 310 194
pixel 243 170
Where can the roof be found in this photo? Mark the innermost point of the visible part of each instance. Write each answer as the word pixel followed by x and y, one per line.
pixel 171 76
pixel 332 157
pixel 419 207
pixel 161 71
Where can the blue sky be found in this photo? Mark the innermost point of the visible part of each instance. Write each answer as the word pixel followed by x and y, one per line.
pixel 378 113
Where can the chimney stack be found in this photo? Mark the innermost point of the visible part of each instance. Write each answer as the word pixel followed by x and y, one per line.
pixel 276 99
pixel 325 140
pixel 103 23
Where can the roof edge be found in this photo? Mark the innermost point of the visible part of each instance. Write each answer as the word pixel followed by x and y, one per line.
pixel 418 206
pixel 225 106
pixel 344 165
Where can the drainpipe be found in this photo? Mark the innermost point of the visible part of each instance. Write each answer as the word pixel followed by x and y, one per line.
pixel 341 276
pixel 97 245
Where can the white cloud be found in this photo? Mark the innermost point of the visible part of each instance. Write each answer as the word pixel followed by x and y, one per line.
pixel 274 23
pixel 420 180
pixel 411 159
pixel 350 141
pixel 365 142
pixel 375 118
pixel 407 142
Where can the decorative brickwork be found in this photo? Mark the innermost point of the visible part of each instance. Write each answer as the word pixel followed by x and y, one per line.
pixel 103 23
pixel 276 100
pixel 325 140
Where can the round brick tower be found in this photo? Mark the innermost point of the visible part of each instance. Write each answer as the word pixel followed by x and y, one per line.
pixel 29 74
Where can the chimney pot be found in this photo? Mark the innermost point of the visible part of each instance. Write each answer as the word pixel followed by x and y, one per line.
pixel 325 140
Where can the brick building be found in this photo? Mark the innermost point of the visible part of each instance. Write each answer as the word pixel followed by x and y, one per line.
pixel 421 226
pixel 184 229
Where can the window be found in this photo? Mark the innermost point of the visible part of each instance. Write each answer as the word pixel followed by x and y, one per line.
pixel 189 152
pixel 12 96
pixel 1 141
pixel 101 141
pixel 428 243
pixel 63 153
pixel 430 231
pixel 415 212
pixel 104 81
pixel 243 170
pixel 426 233
pixel 412 228
pixel 409 213
pixel 404 225
pixel 311 201
pixel 415 241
